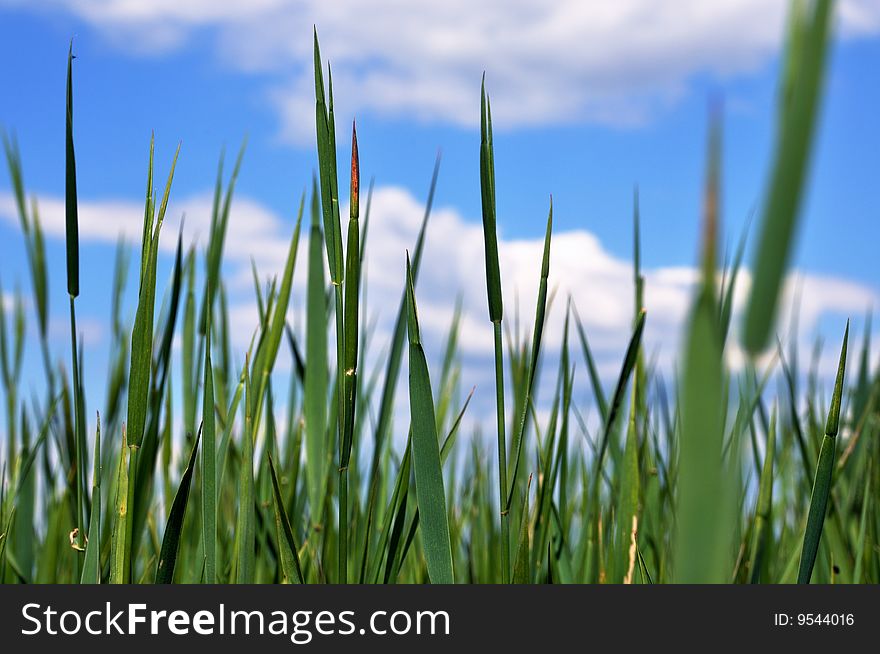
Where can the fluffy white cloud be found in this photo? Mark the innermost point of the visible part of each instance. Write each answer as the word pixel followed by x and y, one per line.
pixel 598 282
pixel 565 61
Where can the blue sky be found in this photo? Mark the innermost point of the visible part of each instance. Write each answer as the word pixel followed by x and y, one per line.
pixel 589 100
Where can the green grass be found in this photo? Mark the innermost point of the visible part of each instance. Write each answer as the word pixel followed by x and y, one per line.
pixel 704 475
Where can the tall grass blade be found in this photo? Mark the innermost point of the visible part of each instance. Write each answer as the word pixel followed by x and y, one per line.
pixel 799 108
pixel 287 547
pixel 426 453
pixel 174 526
pixel 824 475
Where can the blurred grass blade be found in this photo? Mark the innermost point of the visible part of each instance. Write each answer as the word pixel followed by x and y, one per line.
pixel 704 526
pixel 799 107
pixel 761 531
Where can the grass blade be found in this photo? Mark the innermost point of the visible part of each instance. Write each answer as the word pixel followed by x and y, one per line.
pixel 287 547
pixel 824 475
pixel 174 526
pixel 430 494
pixel 91 572
pixel 801 91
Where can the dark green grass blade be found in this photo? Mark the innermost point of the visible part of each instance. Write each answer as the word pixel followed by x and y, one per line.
pixel 537 336
pixel 824 475
pixel 287 547
pixel 352 287
pixel 595 382
pixel 487 186
pixel 629 363
pixel 426 454
pixel 174 526
pixel 70 203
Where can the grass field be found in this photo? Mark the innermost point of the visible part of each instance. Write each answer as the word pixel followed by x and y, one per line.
pixel 704 477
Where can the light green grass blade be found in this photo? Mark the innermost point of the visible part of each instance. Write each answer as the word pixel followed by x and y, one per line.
pixel 245 529
pixel 426 453
pixel 91 572
pixel 118 544
pixel 316 373
pixel 521 565
pixel 763 518
pixel 704 528
pixel 209 468
pixel 801 92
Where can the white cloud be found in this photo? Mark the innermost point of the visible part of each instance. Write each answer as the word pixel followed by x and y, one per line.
pixel 599 283
pixel 566 61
